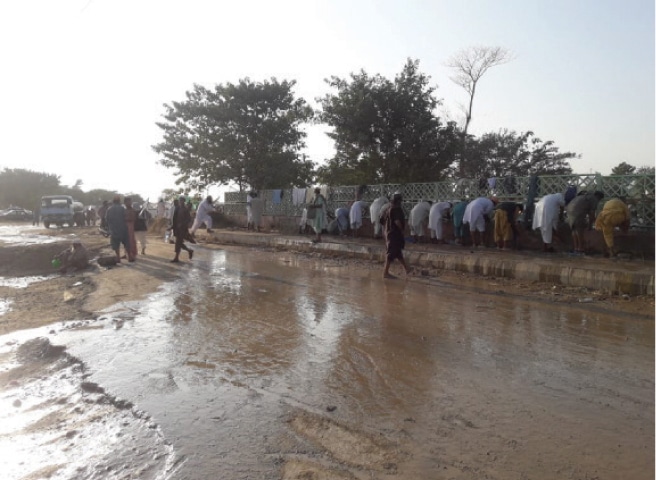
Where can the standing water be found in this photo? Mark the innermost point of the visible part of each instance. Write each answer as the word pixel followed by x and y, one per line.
pixel 269 368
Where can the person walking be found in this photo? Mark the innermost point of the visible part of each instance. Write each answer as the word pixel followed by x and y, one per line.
pixel 141 227
pixel 161 208
pixel 614 214
pixel 438 212
pixel 319 207
pixel 545 218
pixel 394 222
pixel 181 219
pixel 257 208
pixel 102 214
pixel 118 229
pixel 203 215
pixel 130 219
pixel 580 214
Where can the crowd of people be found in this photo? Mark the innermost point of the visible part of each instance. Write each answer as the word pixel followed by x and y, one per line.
pixel 427 219
pixel 127 224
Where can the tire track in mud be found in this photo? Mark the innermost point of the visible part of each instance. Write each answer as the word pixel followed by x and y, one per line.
pixel 54 422
pixel 346 447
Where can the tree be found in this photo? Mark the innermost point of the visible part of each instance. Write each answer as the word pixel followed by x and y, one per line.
pixel 25 188
pixel 623 169
pixel 384 131
pixel 469 66
pixel 645 170
pixel 508 153
pixel 248 133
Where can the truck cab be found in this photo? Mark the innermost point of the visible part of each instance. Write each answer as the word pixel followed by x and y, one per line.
pixel 57 210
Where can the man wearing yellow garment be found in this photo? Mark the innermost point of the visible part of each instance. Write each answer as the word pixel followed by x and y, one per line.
pixel 614 214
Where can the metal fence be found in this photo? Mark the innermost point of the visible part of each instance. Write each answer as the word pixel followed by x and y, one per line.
pixel 636 190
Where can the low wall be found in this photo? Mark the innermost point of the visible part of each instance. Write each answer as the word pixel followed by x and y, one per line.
pixel 636 243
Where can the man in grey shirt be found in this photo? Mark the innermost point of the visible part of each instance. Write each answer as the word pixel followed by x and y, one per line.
pixel 581 213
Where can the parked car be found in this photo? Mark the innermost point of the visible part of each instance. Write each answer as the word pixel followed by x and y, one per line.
pixel 16 214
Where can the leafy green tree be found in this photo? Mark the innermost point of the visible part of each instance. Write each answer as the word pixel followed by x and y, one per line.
pixel 249 133
pixel 645 170
pixel 25 188
pixel 509 153
pixel 386 131
pixel 623 169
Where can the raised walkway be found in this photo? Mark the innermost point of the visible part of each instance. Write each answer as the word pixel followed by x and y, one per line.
pixel 635 277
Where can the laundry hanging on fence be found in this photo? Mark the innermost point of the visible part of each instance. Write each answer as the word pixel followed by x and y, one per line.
pixel 276 197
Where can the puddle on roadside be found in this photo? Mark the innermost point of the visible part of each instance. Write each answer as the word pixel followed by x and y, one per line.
pixel 23 282
pixel 5 306
pixel 25 235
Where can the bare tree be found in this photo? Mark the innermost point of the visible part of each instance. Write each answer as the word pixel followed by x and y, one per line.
pixel 470 65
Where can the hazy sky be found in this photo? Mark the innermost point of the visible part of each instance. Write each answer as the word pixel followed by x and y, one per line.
pixel 83 82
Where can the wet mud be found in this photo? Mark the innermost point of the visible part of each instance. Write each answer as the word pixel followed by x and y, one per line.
pixel 277 366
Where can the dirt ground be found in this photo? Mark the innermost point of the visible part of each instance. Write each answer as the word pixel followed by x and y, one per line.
pixel 79 295
pixel 83 295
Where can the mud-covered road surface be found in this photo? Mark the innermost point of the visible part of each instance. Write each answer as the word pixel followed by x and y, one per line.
pixel 249 365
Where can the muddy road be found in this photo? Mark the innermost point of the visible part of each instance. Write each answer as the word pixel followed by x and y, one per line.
pixel 247 364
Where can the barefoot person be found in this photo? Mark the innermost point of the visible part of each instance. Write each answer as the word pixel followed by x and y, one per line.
pixel 394 228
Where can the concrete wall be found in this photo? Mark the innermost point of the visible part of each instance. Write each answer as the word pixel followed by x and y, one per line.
pixel 638 244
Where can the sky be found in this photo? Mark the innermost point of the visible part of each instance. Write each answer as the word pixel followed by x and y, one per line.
pixel 83 82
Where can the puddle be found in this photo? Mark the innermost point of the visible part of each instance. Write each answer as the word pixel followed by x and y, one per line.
pixel 5 306
pixel 23 282
pixel 26 235
pixel 248 368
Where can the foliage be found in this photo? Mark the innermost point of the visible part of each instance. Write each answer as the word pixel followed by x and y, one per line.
pixel 645 170
pixel 628 169
pixel 24 188
pixel 509 153
pixel 385 131
pixel 248 133
pixel 623 169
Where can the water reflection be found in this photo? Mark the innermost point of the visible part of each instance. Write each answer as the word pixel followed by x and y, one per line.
pixel 220 357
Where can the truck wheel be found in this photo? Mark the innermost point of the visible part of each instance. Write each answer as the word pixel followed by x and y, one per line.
pixel 46 224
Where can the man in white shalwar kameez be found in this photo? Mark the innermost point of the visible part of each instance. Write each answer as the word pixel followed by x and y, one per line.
pixel 355 215
pixel 546 215
pixel 374 213
pixel 475 216
pixel 418 216
pixel 437 213
pixel 203 215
